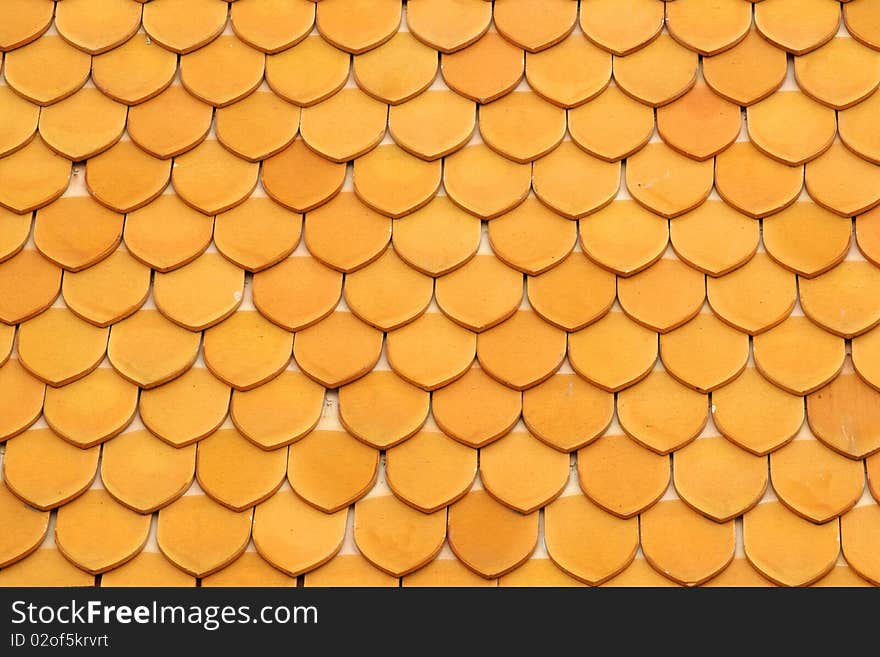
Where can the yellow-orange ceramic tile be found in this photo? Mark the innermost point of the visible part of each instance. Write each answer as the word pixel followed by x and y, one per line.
pixel 522 472
pixel 109 291
pixel 330 469
pixel 844 415
pixel 21 399
pixel 756 297
pixel 26 528
pixel 166 234
pixel 621 476
pixel 868 235
pixel 338 349
pixel 82 125
pixel 476 409
pixel 750 71
pixel 787 549
pixel 182 25
pixel 640 574
pixel 859 533
pixel 705 353
pixel 135 71
pixel 247 350
pixel 381 522
pixel 431 351
pixel 446 572
pixel 714 238
pixel 433 124
pixel 872 465
pixel 480 294
pixel 683 545
pixel 844 299
pixel 201 536
pixel 573 183
pixel 791 127
pixel 14 232
pixel 840 74
pixel 186 409
pixel 755 414
pixel 29 283
pixel 272 25
pixel 241 64
pixel 258 126
pixel 257 234
pixel 211 179
pixel 857 130
pixel 345 126
pixel 570 73
pixel 349 570
pixel 7 334
pixel 395 183
pixel 621 27
pixel 367 233
pixel 388 293
pixel 360 25
pixel 47 70
pixel 92 409
pixel 531 237
pixel 815 482
pixel 149 350
pixel 666 181
pixel 866 356
pixel 662 414
pixel 438 238
pixel 841 576
pixel 700 124
pixel 249 570
pixel 633 346
pixel 20 121
pixel 798 356
pixel 125 178
pixel 485 70
pixel 278 412
pixel 448 25
pixel 144 473
pixel 664 296
pixel 658 73
pixel 46 471
pixel 740 573
pixel 307 73
pixel 572 524
pixel 807 239
pixel 485 183
pixel 489 538
pixel 709 27
pixel 798 26
pixel 399 69
pixel 843 182
pixel 32 177
pixel 573 294
pixel 237 473
pixel 754 183
pixel 45 567
pixel 97 533
pixel 522 126
pixel 535 24
pixel 624 237
pixel 200 294
pixel 523 351
pixel 430 471
pixel 862 22
pixel 151 127
pixel 58 347
pixel 718 479
pixel 23 21
pixel 295 537
pixel 297 292
pixel 612 126
pixel 382 409
pixel 300 179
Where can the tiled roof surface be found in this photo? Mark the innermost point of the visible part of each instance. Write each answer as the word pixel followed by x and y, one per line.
pixel 446 292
